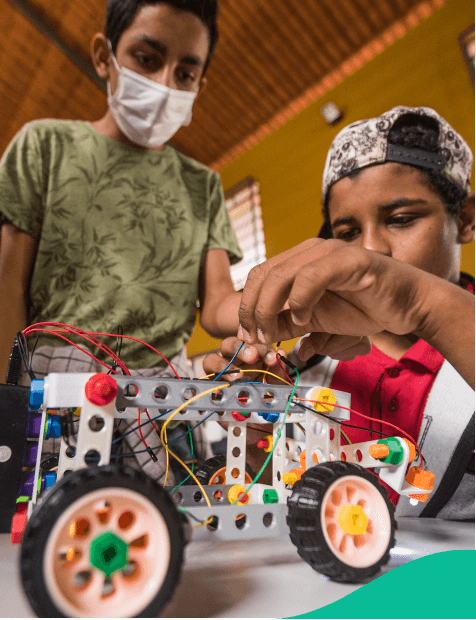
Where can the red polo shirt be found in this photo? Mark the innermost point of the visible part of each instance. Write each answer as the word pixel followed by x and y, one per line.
pixel 389 390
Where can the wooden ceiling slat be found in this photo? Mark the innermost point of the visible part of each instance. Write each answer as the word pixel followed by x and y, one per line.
pixel 403 5
pixel 394 9
pixel 372 15
pixel 319 19
pixel 360 19
pixel 230 58
pixel 74 22
pixel 282 25
pixel 304 47
pixel 385 10
pixel 224 83
pixel 319 36
pixel 337 17
pixel 265 46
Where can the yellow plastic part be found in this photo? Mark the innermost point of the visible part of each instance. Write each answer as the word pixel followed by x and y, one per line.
pixel 290 478
pixel 352 520
pixel 326 395
pixel 270 443
pixel 235 491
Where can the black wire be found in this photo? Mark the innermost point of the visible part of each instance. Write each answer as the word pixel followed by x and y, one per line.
pixel 117 352
pixel 23 347
pixel 33 351
pixel 360 428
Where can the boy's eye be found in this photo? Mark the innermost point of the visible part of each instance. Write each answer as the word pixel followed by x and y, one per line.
pixel 185 76
pixel 401 220
pixel 149 62
pixel 346 235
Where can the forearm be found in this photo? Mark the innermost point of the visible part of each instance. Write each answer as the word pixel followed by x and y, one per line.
pixel 448 325
pixel 12 320
pixel 220 317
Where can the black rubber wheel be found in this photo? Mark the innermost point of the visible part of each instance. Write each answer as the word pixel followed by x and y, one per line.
pixel 319 499
pixel 121 518
pixel 210 467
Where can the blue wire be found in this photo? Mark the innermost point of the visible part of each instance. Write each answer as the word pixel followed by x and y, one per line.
pixel 231 362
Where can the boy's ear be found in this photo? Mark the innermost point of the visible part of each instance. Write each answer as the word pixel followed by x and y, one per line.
pixel 465 221
pixel 203 83
pixel 100 55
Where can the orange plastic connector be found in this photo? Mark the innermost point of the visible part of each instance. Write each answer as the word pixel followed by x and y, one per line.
pixel 423 479
pixel 412 456
pixel 101 389
pixel 379 451
pixel 302 458
pixel 19 522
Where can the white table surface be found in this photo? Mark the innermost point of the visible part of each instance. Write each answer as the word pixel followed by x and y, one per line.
pixel 255 578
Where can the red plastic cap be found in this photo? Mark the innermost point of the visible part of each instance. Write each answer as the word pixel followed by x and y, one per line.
pixel 19 522
pixel 237 416
pixel 101 389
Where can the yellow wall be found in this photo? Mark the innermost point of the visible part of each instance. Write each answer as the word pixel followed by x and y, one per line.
pixel 425 67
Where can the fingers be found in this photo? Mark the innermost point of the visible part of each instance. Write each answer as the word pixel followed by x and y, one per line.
pixel 248 357
pixel 249 354
pixel 281 280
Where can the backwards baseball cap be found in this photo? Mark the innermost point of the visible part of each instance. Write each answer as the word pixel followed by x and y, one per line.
pixel 365 143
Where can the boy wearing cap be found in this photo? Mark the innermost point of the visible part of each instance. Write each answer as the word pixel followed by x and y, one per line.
pixel 103 223
pixel 394 187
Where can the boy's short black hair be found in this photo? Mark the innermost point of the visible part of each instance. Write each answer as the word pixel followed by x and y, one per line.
pixel 419 133
pixel 121 13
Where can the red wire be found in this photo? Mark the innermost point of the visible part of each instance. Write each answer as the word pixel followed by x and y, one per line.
pixel 78 332
pixel 75 345
pixel 145 344
pixel 320 402
pixel 278 357
pixel 95 341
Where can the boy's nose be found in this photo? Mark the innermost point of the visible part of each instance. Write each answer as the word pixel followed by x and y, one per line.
pixel 165 77
pixel 376 242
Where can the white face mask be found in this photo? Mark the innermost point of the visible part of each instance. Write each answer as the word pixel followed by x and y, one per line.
pixel 148 113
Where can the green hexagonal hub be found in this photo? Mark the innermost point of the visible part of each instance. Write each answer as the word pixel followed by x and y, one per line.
pixel 395 456
pixel 108 553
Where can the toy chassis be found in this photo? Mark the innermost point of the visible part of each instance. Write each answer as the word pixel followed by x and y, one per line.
pixel 106 540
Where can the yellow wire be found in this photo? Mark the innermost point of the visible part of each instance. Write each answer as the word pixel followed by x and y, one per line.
pixel 345 437
pixel 163 434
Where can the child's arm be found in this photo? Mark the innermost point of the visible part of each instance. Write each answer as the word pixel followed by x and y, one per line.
pixel 335 288
pixel 219 302
pixel 17 250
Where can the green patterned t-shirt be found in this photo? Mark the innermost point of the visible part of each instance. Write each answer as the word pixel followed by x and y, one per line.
pixel 122 233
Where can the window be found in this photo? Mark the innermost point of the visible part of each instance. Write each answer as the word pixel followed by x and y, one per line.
pixel 244 206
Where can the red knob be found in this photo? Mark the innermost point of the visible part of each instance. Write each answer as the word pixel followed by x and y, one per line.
pixel 101 389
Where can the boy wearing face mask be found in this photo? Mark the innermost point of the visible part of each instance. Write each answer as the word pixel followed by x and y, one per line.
pixel 103 223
